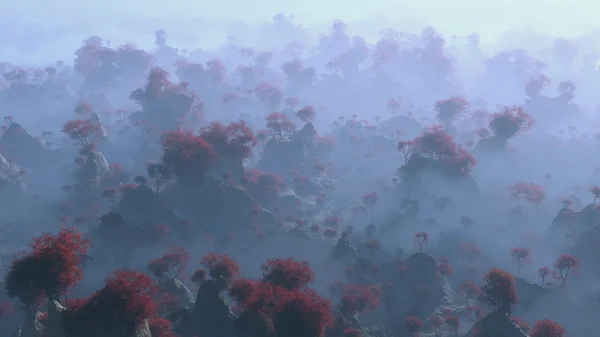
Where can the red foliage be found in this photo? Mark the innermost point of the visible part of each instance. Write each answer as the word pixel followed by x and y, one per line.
pixel 470 289
pixel 565 266
pixel 241 289
pixel 220 267
pixel 436 322
pixel 520 256
pixel 413 325
pixel 547 328
pixel 189 156
pixel 49 269
pixel 161 327
pixel 298 312
pixel 357 298
pixel 84 132
pixel 445 269
pixel 438 145
pixel 510 122
pixel 471 250
pixel 535 84
pixel 235 140
pixel 198 276
pixel 306 114
pixel 174 260
pixel 451 108
pixel 117 309
pixel 529 192
pixel 352 333
pixel 280 127
pixel 288 273
pixel 268 94
pixel 158 267
pixel 264 187
pixel 499 290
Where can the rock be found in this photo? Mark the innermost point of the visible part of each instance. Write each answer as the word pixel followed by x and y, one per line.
pixel 588 216
pixel 529 292
pixel 141 207
pixel 292 205
pixel 21 147
pixel 55 320
pixel 490 145
pixel 11 186
pixel 564 220
pixel 184 297
pixel 95 168
pixel 495 324
pixel 211 315
pixel 143 330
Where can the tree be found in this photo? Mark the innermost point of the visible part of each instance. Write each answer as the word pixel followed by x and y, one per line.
pixel 280 127
pixel 450 158
pixel 161 174
pixel 288 273
pixel 264 187
pixel 565 266
pixel 125 301
pixel 358 299
pixel 499 290
pixel 543 273
pixel 547 328
pixel 83 132
pixel 221 268
pixel 413 325
pixel 49 270
pixel 420 239
pixel 453 322
pixel 528 192
pixel 471 290
pixel 161 327
pixel 510 122
pixel 445 269
pixel 450 109
pixel 520 256
pixel 406 147
pixel 188 156
pixel 235 140
pixel 306 114
pixel 198 277
pixel 436 322
pixel 596 192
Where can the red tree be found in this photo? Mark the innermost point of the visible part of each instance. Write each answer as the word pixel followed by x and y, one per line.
pixel 234 140
pixel 565 266
pixel 357 298
pixel 117 309
pixel 161 327
pixel 306 114
pixel 436 322
pixel 420 239
pixel 188 156
pixel 221 268
pixel 280 127
pixel 528 192
pixel 83 132
pixel 543 273
pixel 499 290
pixel 264 187
pixel 288 273
pixel 453 322
pixel 450 109
pixel 413 325
pixel 547 328
pixel 470 289
pixel 52 266
pixel 510 122
pixel 520 256
pixel 452 159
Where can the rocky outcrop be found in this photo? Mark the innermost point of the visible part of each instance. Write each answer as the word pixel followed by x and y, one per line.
pixel 183 296
pixel 141 207
pixel 95 168
pixel 210 316
pixel 495 324
pixel 11 186
pixel 21 147
pixel 530 293
pixel 54 324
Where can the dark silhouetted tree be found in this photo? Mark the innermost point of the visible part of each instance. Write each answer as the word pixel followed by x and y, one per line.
pixel 499 290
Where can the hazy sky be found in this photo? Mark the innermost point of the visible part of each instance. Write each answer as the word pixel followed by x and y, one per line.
pixel 564 18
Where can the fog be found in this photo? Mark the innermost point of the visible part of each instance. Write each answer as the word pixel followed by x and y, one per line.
pixel 427 168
